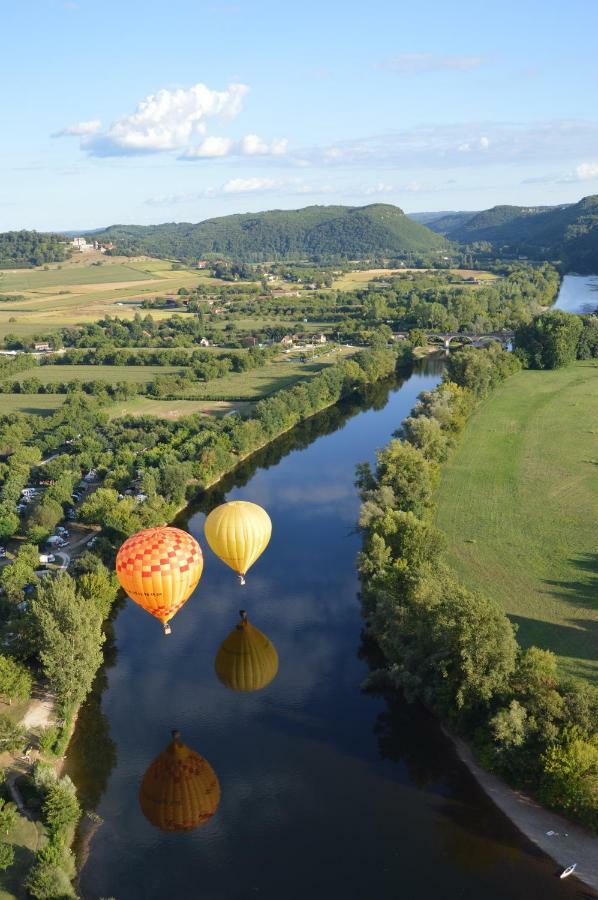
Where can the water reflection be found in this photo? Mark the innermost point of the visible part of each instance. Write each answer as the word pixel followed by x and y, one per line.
pixel 246 660
pixel 180 790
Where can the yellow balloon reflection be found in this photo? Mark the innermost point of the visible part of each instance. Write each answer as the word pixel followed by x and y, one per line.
pixel 180 790
pixel 247 660
pixel 238 532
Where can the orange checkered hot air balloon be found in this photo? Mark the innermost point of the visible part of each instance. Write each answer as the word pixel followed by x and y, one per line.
pixel 159 568
pixel 180 790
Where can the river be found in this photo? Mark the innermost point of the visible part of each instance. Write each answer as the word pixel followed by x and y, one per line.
pixel 578 294
pixel 327 791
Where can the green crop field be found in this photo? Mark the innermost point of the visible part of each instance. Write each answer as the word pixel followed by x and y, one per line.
pixel 518 501
pixel 111 374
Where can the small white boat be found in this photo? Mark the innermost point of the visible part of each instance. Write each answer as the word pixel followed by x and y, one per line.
pixel 568 871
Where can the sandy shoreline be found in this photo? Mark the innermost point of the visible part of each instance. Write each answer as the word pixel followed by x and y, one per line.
pixel 570 843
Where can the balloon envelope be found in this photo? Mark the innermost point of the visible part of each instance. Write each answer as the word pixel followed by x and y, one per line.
pixel 238 532
pixel 159 568
pixel 246 660
pixel 180 790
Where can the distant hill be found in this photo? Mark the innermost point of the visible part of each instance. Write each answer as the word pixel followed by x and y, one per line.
pixel 315 232
pixel 442 222
pixel 568 233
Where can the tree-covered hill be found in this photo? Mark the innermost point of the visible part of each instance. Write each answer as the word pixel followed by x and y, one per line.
pixel 315 232
pixel 443 222
pixel 568 233
pixel 21 249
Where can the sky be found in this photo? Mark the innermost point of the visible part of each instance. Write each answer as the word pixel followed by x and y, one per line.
pixel 147 111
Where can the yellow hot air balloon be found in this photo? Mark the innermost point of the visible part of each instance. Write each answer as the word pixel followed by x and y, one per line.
pixel 246 660
pixel 238 532
pixel 159 568
pixel 180 790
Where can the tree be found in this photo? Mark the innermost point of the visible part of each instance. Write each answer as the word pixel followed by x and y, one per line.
pixel 7 855
pixel 8 816
pixel 61 808
pixel 550 340
pixel 410 475
pixel 12 736
pixel 20 573
pixel 15 680
pixel 70 639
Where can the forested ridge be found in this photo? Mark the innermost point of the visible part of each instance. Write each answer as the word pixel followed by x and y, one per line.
pixel 315 232
pixel 567 233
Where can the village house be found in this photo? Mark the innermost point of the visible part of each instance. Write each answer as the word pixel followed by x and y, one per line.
pixel 41 346
pixel 204 342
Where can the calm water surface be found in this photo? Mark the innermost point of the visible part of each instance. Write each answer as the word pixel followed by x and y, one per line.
pixel 327 792
pixel 578 294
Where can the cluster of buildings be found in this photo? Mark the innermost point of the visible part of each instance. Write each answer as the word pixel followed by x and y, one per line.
pixel 85 246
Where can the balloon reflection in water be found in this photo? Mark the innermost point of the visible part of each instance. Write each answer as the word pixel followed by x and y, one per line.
pixel 238 532
pixel 159 568
pixel 246 660
pixel 180 790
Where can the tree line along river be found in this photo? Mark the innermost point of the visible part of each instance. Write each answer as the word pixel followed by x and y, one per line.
pixel 327 791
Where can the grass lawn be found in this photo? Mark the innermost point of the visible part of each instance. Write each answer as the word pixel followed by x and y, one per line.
pixel 261 382
pixel 34 404
pixel 350 281
pixel 111 374
pixel 518 501
pixel 25 837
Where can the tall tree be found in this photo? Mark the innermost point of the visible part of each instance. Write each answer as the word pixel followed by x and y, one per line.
pixel 70 639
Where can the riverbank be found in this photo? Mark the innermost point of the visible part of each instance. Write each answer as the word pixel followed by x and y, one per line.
pixel 557 837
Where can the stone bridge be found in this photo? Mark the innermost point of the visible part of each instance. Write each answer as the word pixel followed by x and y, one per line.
pixel 460 337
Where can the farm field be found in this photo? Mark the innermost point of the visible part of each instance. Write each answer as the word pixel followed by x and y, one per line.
pixel 83 292
pixel 518 503
pixel 112 374
pixel 352 280
pixel 174 409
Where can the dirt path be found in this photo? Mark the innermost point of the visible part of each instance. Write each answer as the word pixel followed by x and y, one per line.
pixel 560 839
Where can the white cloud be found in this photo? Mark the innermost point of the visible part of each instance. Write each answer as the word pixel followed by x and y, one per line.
pixel 380 188
pixel 482 144
pixel 249 185
pixel 79 129
pixel 250 145
pixel 452 145
pixel 166 120
pixel 587 171
pixel 415 63
pixel 210 148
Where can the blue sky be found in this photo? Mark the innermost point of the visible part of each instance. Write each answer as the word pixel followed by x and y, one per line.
pixel 150 111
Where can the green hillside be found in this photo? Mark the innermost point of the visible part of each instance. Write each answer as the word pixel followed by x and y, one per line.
pixel 315 232
pixel 568 233
pixel 443 222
